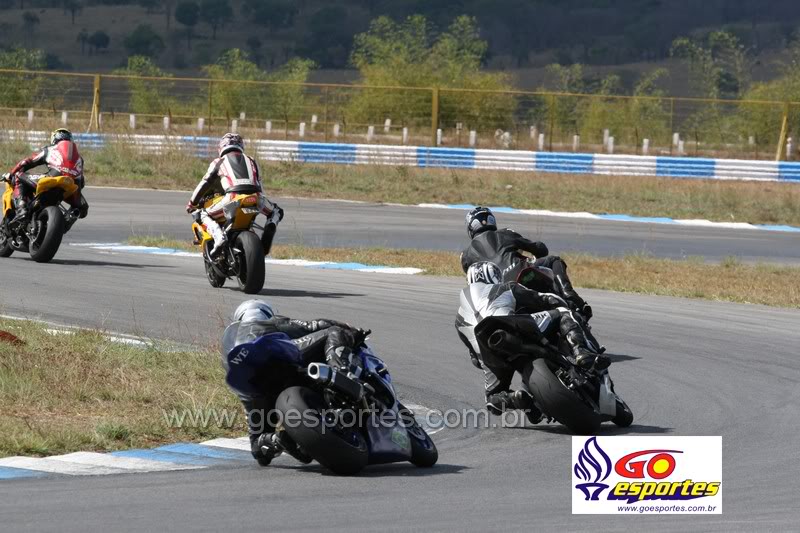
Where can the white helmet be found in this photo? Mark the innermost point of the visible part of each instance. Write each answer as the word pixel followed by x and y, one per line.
pixel 252 310
pixel 484 272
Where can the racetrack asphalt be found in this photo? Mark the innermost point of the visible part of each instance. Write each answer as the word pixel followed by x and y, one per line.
pixel 117 213
pixel 686 367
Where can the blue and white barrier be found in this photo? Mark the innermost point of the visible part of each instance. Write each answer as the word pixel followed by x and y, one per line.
pixel 466 158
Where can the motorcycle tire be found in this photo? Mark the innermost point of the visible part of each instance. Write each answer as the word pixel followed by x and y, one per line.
pixel 423 451
pixel 214 279
pixel 5 246
pixel 343 451
pixel 624 416
pixel 557 401
pixel 46 246
pixel 251 263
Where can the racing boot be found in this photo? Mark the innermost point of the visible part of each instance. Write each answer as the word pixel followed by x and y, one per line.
pixel 270 228
pixel 583 356
pixel 264 448
pixel 500 402
pixel 21 209
pixel 220 240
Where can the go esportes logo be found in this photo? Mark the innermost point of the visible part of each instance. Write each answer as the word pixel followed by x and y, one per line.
pixel 646 475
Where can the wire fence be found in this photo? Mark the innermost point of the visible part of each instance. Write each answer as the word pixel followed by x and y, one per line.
pixel 401 115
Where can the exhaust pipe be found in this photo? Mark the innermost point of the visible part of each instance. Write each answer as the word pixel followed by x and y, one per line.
pixel 336 381
pixel 504 342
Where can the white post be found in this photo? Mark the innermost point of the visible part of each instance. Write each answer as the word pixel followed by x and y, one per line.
pixel 606 134
pixel 473 138
pixel 234 125
pixel 676 137
pixel 541 142
pixel 201 123
pixel 751 140
pixel 64 117
pixel 166 123
pixel 789 148
pixel 302 131
pixel 268 127
pixel 645 146
pixel 439 137
pixel 576 142
pixel 99 119
pixel 610 145
pixel 242 116
pixel 506 138
pixel 405 135
pixel 370 133
pixel 30 116
pixel 680 147
pixel 534 133
pixel 314 121
pixel 336 130
pixel 387 125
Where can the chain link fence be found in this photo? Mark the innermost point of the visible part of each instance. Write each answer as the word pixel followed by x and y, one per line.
pixel 401 115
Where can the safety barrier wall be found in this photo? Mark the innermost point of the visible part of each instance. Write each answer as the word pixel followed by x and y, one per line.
pixel 423 156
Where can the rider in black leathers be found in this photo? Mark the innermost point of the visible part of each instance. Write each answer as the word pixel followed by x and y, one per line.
pixel 258 385
pixel 503 246
pixel 533 314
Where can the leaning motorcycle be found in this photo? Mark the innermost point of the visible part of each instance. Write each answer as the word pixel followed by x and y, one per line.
pixel 579 398
pixel 345 420
pixel 41 232
pixel 242 257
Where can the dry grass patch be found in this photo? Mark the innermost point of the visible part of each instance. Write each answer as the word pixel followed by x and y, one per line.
pixel 729 280
pixel 66 392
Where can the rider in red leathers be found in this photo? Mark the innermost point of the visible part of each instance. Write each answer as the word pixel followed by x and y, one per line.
pixel 62 159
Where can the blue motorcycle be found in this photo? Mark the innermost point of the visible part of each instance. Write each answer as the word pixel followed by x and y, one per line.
pixel 344 419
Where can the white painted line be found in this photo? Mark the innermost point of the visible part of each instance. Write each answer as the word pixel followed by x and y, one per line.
pixel 54 466
pixel 242 443
pixel 132 464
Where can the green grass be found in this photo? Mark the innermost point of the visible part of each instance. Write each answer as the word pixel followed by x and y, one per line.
pixel 726 201
pixel 66 392
pixel 730 280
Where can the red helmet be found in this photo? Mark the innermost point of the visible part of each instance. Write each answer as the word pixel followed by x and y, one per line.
pixel 229 142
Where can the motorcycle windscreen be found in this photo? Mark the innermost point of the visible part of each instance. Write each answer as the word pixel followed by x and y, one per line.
pixel 245 361
pixel 388 439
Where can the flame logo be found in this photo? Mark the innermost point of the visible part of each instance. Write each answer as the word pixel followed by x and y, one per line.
pixel 593 467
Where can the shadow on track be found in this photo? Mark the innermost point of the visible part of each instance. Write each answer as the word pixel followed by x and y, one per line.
pixel 298 293
pixel 89 262
pixel 605 429
pixel 387 470
pixel 620 358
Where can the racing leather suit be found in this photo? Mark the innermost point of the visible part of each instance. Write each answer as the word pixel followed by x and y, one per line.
pixel 258 381
pixel 502 247
pixel 231 174
pixel 545 315
pixel 62 159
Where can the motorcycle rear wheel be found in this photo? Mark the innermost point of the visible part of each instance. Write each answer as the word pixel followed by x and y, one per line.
pixel 44 248
pixel 5 246
pixel 342 452
pixel 251 263
pixel 557 401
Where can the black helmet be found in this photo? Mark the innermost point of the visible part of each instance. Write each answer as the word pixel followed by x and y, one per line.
pixel 484 272
pixel 61 134
pixel 479 220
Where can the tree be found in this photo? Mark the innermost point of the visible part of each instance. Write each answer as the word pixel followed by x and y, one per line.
pixel 99 40
pixel 149 5
pixel 31 20
pixel 215 13
pixel 254 44
pixel 188 13
pixel 83 38
pixel 329 37
pixel 274 14
pixel 143 41
pixel 74 7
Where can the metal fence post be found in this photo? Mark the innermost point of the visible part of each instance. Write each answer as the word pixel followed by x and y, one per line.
pixel 434 114
pixel 671 121
pixel 210 102
pixel 780 151
pixel 325 115
pixel 95 117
